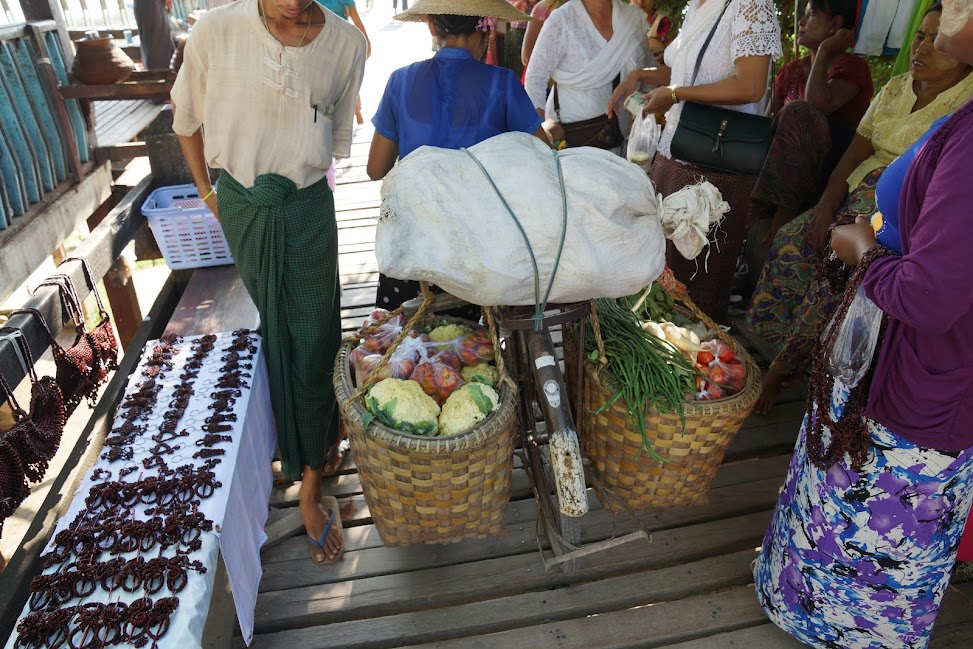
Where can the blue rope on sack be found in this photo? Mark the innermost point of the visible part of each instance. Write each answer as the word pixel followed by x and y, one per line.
pixel 539 305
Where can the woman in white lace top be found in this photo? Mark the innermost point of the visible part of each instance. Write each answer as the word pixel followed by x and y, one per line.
pixel 584 46
pixel 733 73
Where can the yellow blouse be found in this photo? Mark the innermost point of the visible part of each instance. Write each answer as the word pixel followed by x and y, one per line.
pixel 892 126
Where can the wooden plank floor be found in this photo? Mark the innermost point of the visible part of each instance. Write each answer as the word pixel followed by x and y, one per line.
pixel 690 587
pixel 119 121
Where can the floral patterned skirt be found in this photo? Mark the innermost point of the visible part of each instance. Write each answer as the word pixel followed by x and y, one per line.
pixel 788 305
pixel 862 559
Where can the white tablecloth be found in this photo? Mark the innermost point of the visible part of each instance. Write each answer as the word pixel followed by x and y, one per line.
pixel 238 508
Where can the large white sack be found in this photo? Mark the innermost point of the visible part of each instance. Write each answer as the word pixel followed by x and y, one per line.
pixel 443 222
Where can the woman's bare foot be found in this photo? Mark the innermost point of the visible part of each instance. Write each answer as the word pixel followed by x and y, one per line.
pixel 316 518
pixel 770 389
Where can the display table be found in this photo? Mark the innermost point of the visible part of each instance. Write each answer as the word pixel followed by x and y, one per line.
pixel 236 507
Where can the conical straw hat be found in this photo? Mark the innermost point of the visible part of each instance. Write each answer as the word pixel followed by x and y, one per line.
pixel 499 9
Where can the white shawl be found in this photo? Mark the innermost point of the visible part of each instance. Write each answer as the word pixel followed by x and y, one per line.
pixel 612 59
pixel 698 24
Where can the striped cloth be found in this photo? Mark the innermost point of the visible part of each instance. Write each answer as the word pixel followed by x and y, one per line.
pixel 285 244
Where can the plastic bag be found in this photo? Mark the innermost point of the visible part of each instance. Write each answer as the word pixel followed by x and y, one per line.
pixel 400 365
pixel 855 341
pixel 643 141
pixel 439 375
pixel 379 340
pixel 471 348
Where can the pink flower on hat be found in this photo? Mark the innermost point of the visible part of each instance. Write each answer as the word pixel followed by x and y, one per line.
pixel 487 24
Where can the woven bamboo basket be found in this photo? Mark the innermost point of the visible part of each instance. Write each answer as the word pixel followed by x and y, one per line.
pixel 695 451
pixel 431 489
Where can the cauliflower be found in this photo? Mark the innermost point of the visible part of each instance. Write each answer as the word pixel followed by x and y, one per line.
pixel 480 373
pixel 466 407
pixel 448 332
pixel 403 405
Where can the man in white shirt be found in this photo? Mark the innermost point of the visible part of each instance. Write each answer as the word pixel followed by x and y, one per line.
pixel 267 94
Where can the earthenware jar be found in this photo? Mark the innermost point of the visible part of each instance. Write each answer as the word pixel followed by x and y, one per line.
pixel 98 60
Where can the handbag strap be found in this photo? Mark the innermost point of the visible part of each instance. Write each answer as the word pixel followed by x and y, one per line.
pixel 55 345
pixel 69 297
pixel 22 349
pixel 90 278
pixel 712 32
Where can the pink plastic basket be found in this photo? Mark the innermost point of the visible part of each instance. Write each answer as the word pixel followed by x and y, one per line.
pixel 187 232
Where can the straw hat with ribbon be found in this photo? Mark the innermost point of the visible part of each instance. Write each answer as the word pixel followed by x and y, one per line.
pixel 499 9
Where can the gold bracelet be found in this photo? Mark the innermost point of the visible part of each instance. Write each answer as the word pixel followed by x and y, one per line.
pixel 672 92
pixel 212 191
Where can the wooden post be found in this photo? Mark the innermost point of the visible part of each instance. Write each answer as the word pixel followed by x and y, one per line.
pixel 119 286
pixel 124 301
pixel 51 10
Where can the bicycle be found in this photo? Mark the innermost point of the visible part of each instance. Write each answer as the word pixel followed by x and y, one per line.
pixel 551 455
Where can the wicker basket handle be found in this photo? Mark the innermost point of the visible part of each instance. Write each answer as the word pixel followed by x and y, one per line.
pixel 497 353
pixel 678 291
pixel 596 328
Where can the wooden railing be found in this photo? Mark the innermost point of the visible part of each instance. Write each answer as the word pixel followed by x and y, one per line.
pixel 43 138
pixel 94 14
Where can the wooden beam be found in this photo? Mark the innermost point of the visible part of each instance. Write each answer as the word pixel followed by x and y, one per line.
pixel 149 89
pixel 50 10
pixel 11 32
pixel 26 561
pixel 50 83
pixel 120 152
pixel 32 237
pixel 102 247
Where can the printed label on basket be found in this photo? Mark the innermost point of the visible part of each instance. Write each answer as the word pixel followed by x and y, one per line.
pixel 545 361
pixel 552 392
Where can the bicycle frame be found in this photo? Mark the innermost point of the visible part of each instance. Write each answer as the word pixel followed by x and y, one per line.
pixel 554 399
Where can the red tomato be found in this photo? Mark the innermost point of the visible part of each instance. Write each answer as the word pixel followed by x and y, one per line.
pixel 704 358
pixel 717 373
pixel 736 374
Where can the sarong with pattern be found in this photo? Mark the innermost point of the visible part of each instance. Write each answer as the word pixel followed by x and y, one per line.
pixel 285 245
pixel 788 305
pixel 861 559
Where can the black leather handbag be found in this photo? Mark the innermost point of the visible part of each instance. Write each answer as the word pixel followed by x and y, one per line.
pixel 719 138
pixel 602 132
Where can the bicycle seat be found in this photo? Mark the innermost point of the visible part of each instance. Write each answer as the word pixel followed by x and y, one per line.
pixel 517 318
pixel 442 302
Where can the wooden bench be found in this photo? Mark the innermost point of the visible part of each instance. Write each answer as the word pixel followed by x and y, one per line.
pixel 215 300
pixel 123 110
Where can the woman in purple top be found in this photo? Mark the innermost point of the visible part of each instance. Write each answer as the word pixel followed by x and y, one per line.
pixel 861 546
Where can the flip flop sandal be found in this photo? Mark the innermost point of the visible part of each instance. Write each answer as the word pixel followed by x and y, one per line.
pixel 319 544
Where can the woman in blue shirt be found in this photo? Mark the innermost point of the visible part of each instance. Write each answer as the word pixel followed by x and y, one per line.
pixel 449 101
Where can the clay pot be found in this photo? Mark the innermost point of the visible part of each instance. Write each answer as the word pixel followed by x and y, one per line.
pixel 176 61
pixel 100 61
